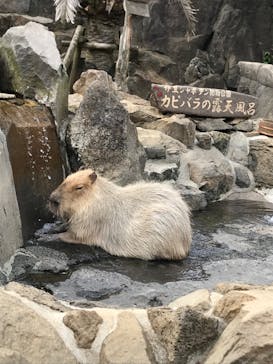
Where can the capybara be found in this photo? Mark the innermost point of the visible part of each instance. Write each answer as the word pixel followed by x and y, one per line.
pixel 146 220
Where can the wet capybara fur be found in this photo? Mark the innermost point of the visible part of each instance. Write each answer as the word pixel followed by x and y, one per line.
pixel 146 220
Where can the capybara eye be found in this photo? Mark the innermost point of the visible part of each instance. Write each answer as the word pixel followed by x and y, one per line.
pixel 80 187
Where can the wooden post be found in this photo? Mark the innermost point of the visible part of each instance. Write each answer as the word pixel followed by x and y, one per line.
pixel 73 44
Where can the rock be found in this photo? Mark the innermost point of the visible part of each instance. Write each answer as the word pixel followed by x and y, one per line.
pixel 229 306
pixel 14 6
pixel 10 221
pixel 213 124
pixel 154 139
pixel 140 110
pixel 238 149
pixel 195 198
pixel 248 338
pixel 177 127
pixel 160 170
pixel 198 300
pixel 21 327
pixel 101 136
pixel 260 160
pixel 198 67
pixel 220 141
pixel 36 295
pixel 126 344
pixel 90 284
pixel 31 50
pixel 204 140
pixel 34 156
pixel 87 78
pixel 209 169
pixel 244 178
pixel 74 101
pixel 185 333
pixel 8 356
pixel 245 126
pixel 85 326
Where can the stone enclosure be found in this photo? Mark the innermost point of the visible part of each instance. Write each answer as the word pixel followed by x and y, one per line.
pixel 125 137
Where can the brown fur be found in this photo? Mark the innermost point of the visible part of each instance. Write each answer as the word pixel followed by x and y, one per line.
pixel 142 220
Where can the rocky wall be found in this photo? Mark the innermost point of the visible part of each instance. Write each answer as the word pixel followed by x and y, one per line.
pixel 230 324
pixel 227 31
pixel 10 221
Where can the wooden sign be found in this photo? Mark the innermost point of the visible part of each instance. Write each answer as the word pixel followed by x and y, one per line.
pixel 210 102
pixel 137 7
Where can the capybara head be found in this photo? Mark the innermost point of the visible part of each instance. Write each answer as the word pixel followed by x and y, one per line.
pixel 72 193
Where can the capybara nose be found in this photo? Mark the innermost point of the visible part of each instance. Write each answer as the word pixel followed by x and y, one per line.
pixel 53 198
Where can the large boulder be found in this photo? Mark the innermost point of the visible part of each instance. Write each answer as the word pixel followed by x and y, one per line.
pixel 261 160
pixel 249 336
pixel 32 66
pixel 101 135
pixel 210 170
pixel 35 158
pixel 10 222
pixel 21 327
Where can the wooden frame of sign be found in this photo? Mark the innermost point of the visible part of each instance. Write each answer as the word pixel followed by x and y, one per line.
pixel 137 7
pixel 198 101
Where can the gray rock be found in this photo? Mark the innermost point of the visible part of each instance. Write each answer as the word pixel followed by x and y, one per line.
pixel 220 141
pixel 192 332
pixel 198 67
pixel 261 160
pixel 31 50
pixel 209 169
pixel 177 127
pixel 91 284
pixel 101 136
pixel 213 124
pixel 14 6
pixel 195 198
pixel 204 140
pixel 10 221
pixel 238 149
pixel 244 178
pixel 140 110
pixel 245 126
pixel 151 139
pixel 155 152
pixel 160 170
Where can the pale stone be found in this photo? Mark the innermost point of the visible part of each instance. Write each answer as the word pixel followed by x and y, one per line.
pixel 85 326
pixel 36 295
pixel 126 344
pixel 238 150
pixel 261 160
pixel 185 333
pixel 74 101
pixel 198 300
pixel 177 127
pixel 8 356
pixel 24 331
pixel 10 221
pixel 248 338
pixel 151 139
pixel 140 110
pixel 87 78
pixel 230 305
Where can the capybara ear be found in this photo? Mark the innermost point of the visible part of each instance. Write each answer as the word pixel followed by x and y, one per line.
pixel 93 177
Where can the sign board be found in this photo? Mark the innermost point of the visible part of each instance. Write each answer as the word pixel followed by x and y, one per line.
pixel 134 7
pixel 210 102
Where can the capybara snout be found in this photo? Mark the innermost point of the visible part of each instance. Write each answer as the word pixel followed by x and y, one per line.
pixel 144 220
